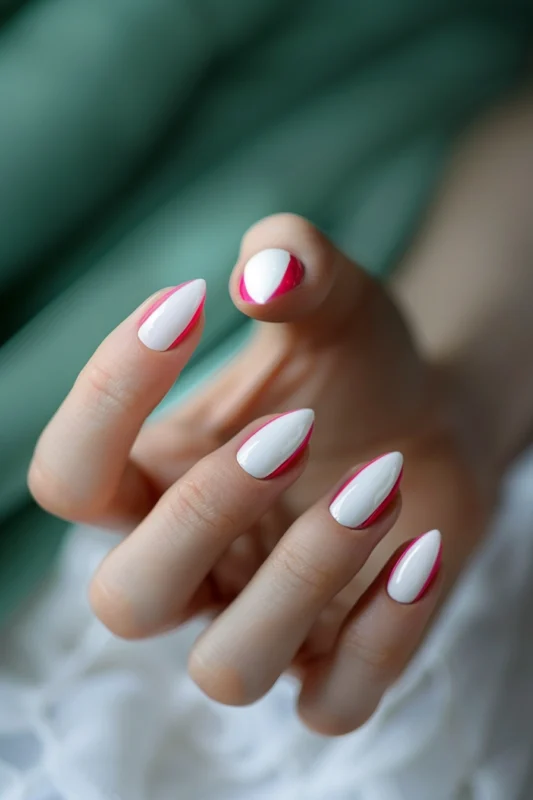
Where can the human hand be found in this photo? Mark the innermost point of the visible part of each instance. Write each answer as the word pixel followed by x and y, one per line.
pixel 283 575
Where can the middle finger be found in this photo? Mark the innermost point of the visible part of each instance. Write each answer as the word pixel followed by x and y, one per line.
pixel 144 584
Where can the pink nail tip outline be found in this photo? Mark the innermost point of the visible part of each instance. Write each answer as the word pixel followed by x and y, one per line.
pixel 244 292
pixel 432 575
pixel 159 302
pixel 292 277
pixel 382 506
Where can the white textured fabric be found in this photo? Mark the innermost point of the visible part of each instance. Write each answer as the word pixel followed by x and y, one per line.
pixel 86 717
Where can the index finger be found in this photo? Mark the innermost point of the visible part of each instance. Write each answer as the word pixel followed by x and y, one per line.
pixel 81 468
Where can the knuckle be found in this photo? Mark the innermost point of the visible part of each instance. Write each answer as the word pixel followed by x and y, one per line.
pixel 55 495
pixel 42 487
pixel 383 659
pixel 114 609
pixel 286 225
pixel 325 723
pixel 222 683
pixel 194 508
pixel 107 388
pixel 189 508
pixel 293 564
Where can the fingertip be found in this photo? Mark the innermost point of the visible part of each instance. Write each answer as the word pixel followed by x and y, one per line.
pixel 280 230
pixel 114 609
pixel 415 569
pixel 288 271
pixel 277 445
pixel 271 286
pixel 270 274
pixel 173 316
pixel 330 725
pixel 370 495
pixel 285 269
pixel 221 683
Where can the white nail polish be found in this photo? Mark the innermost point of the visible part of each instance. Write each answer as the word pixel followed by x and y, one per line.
pixel 361 500
pixel 273 448
pixel 173 316
pixel 414 572
pixel 270 274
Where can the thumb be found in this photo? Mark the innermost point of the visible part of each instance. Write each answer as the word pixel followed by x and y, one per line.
pixel 289 272
pixel 329 333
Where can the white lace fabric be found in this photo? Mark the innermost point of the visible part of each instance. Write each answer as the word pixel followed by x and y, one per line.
pixel 84 716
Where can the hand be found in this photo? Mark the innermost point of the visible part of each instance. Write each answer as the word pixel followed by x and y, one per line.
pixel 291 586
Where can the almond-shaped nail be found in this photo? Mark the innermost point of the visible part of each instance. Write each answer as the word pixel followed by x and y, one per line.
pixel 272 449
pixel 416 569
pixel 173 316
pixel 368 492
pixel 270 274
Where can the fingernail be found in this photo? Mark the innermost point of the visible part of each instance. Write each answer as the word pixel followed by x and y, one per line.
pixel 417 568
pixel 276 445
pixel 173 316
pixel 270 274
pixel 367 493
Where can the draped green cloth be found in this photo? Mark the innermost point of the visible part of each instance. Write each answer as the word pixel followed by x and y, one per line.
pixel 140 138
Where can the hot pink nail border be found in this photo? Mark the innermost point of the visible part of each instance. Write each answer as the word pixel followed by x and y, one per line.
pixel 291 279
pixel 293 457
pixel 432 575
pixel 159 302
pixel 383 505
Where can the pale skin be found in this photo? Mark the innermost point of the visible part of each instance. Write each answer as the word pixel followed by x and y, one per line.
pixel 291 589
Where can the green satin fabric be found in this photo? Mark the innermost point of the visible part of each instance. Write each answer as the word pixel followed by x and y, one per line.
pixel 139 139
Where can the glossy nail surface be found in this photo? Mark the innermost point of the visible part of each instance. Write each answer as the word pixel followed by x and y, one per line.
pixel 270 274
pixel 367 493
pixel 276 445
pixel 416 569
pixel 173 316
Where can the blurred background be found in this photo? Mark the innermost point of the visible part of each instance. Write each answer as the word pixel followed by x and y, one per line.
pixel 140 138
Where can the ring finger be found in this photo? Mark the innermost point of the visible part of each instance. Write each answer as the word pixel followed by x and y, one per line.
pixel 255 639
